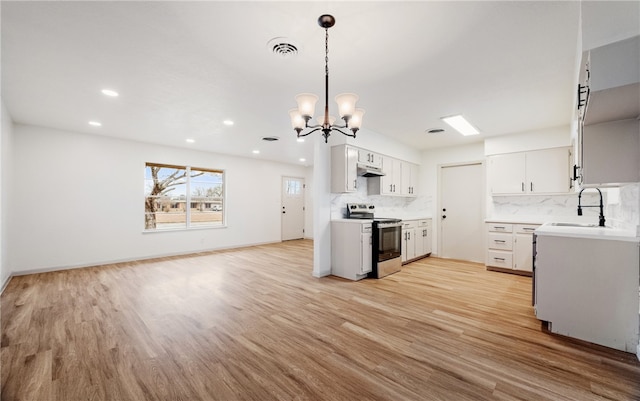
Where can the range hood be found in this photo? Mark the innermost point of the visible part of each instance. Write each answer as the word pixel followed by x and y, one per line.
pixel 368 171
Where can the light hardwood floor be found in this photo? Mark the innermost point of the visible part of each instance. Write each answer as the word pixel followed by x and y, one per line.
pixel 253 324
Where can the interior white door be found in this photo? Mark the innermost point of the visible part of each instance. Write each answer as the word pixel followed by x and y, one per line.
pixel 292 208
pixel 461 212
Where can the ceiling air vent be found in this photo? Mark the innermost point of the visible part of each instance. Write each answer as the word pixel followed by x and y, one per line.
pixel 434 131
pixel 282 46
pixel 270 138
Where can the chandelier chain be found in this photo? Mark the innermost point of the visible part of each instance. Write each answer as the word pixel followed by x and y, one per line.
pixel 326 51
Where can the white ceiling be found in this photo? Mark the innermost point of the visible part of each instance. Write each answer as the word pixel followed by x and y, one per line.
pixel 181 68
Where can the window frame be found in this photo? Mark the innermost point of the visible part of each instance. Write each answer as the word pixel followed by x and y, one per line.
pixel 188 226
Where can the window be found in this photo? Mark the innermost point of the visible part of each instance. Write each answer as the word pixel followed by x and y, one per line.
pixel 170 189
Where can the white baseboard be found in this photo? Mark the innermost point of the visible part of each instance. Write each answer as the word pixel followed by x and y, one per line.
pixel 134 259
pixel 5 283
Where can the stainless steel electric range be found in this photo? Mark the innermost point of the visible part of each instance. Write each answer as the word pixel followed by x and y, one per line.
pixel 387 239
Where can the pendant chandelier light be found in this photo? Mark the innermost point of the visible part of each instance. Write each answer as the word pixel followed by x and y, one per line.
pixel 301 116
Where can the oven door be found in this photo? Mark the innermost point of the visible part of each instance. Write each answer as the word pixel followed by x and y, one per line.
pixel 389 241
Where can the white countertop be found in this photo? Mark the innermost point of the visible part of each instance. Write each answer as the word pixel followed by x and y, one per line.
pixel 607 233
pixel 514 221
pixel 362 221
pixel 355 221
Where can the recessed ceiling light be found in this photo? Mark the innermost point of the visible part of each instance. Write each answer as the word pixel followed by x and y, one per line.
pixel 95 123
pixel 189 140
pixel 300 140
pixel 228 122
pixel 461 125
pixel 302 159
pixel 109 92
pixel 255 152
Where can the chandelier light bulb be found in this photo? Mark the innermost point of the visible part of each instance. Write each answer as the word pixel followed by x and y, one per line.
pixel 346 104
pixel 306 104
pixel 356 119
pixel 297 122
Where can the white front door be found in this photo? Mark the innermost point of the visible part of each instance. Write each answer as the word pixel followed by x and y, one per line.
pixel 461 212
pixel 292 208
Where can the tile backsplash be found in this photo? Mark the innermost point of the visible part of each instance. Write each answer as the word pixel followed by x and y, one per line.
pixel 621 211
pixel 624 213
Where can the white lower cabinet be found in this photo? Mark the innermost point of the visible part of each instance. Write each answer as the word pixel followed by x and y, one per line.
pixel 510 246
pixel 523 247
pixel 408 240
pixel 351 249
pixel 416 239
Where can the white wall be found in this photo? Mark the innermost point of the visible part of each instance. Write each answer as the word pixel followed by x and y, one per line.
pixel 6 139
pixel 531 140
pixel 78 200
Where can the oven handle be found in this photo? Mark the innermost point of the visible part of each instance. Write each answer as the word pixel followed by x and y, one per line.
pixel 389 225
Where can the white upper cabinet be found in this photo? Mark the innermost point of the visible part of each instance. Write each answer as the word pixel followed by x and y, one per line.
pixel 535 172
pixel 409 179
pixel 391 182
pixel 400 179
pixel 368 158
pixel 611 153
pixel 344 169
pixel 547 171
pixel 506 173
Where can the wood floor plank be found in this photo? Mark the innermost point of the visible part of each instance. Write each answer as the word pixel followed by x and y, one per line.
pixel 253 324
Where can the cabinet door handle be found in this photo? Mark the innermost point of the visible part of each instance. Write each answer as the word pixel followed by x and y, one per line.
pixel 409 234
pixel 531 186
pixel 498 228
pixel 523 187
pixel 355 183
pixel 528 229
pixel 499 240
pixel 390 187
pixel 502 259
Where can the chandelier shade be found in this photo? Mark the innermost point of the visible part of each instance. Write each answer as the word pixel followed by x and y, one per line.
pixel 347 110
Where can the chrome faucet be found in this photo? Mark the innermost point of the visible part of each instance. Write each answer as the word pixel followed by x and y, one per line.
pixel 601 223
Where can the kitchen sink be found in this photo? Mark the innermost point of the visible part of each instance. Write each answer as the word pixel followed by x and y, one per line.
pixel 575 225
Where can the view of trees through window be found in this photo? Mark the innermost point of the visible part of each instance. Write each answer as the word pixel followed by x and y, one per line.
pixel 182 197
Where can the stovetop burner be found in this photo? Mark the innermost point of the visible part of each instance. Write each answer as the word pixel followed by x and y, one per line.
pixel 366 211
pixel 360 211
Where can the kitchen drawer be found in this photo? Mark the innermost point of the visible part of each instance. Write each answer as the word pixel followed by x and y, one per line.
pixel 501 228
pixel 366 228
pixel 424 223
pixel 525 228
pixel 501 259
pixel 409 224
pixel 500 241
